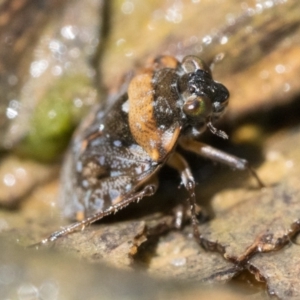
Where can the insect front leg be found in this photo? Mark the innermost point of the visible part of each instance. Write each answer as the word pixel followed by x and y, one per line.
pixel 148 190
pixel 177 162
pixel 219 156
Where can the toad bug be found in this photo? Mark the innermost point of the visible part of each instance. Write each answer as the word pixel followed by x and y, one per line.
pixel 116 155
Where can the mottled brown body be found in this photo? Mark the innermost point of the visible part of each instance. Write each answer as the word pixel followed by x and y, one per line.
pixel 117 151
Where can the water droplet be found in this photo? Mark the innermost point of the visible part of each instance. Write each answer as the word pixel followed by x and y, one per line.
pixel 173 14
pixel 286 87
pixel 120 42
pixel 268 4
pixel 77 102
pixel 69 32
pixel 258 8
pixel 280 69
pixel 28 291
pixel 38 67
pixel 21 173
pixel 56 70
pixel 49 290
pixel 9 179
pixel 207 40
pixel 7 274
pixel 179 261
pixel 101 127
pixel 223 40
pixel 128 53
pixel 11 113
pixel 127 7
pixel 52 114
pixel 230 19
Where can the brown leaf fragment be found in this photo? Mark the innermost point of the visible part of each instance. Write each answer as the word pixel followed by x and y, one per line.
pixel 280 270
pixel 260 224
pixel 114 243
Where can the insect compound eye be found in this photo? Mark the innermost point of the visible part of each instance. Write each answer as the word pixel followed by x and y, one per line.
pixel 191 64
pixel 221 93
pixel 197 106
pixel 220 99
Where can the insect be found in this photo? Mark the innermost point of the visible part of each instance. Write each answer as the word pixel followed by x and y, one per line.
pixel 116 156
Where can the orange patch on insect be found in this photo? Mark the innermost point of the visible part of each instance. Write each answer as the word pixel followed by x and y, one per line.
pixel 160 62
pixel 156 142
pixel 166 61
pixel 80 215
pixel 170 141
pixel 117 200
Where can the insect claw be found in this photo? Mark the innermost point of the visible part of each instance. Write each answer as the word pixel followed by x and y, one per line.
pixel 216 131
pixel 191 185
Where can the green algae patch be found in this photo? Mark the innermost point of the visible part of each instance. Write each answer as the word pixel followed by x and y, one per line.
pixel 55 118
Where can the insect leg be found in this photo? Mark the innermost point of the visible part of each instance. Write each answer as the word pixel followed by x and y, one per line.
pixel 219 156
pixel 148 190
pixel 177 162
